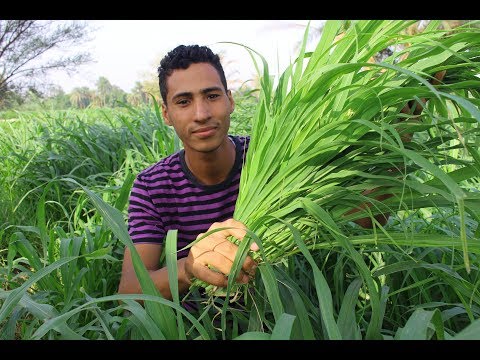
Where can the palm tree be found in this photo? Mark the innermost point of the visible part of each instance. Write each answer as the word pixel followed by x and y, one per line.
pixel 81 97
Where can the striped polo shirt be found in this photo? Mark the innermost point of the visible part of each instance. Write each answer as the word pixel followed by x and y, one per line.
pixel 167 196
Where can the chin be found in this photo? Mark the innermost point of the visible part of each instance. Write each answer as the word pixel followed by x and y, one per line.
pixel 207 145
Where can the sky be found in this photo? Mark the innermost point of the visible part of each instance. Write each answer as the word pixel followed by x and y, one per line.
pixel 126 51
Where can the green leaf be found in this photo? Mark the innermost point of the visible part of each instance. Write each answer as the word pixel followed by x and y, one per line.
pixel 283 327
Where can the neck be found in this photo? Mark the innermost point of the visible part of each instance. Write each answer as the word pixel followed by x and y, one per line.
pixel 213 167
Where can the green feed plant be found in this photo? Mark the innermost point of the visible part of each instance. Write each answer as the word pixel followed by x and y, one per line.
pixel 329 136
pixel 332 129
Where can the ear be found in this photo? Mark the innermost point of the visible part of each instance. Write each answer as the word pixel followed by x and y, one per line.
pixel 166 118
pixel 232 101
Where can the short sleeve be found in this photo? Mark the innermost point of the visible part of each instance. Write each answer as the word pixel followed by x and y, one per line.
pixel 144 223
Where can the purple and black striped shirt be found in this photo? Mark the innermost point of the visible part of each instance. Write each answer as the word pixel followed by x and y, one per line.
pixel 167 196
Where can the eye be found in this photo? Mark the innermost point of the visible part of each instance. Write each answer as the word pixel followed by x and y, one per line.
pixel 213 96
pixel 182 102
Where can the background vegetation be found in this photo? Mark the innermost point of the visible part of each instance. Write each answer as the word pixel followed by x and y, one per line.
pixel 320 142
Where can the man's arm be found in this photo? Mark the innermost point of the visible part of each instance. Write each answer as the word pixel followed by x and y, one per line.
pixel 150 255
pixel 215 250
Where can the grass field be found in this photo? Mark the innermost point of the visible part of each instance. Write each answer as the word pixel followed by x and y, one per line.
pixel 323 138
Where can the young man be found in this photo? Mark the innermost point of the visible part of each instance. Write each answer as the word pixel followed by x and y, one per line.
pixel 195 189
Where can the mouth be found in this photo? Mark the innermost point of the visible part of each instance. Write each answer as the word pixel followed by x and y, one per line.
pixel 205 132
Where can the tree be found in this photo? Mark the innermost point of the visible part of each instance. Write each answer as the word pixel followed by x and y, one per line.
pixel 104 90
pixel 117 96
pixel 137 96
pixel 57 98
pixel 108 95
pixel 25 43
pixel 81 97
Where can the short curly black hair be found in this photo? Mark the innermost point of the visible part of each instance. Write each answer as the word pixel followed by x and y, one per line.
pixel 181 58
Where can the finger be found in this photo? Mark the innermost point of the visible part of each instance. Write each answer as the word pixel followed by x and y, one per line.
pixel 232 228
pixel 249 266
pixel 254 247
pixel 226 248
pixel 221 264
pixel 211 242
pixel 237 229
pixel 212 277
pixel 242 277
pixel 229 250
pixel 198 250
pixel 215 259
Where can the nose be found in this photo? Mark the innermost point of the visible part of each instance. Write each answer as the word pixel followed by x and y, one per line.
pixel 202 110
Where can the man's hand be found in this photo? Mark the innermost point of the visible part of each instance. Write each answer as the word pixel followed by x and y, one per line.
pixel 218 252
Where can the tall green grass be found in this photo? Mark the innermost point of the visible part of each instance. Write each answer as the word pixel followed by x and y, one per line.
pixel 327 131
pixel 60 269
pixel 330 130
pixel 93 147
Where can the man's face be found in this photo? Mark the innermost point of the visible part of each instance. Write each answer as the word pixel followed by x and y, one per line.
pixel 198 107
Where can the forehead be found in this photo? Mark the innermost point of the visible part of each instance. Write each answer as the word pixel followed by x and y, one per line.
pixel 193 79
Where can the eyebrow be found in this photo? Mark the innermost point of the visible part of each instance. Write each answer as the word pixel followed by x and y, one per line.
pixel 203 91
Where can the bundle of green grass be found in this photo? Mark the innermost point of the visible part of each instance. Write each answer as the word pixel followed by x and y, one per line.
pixel 329 138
